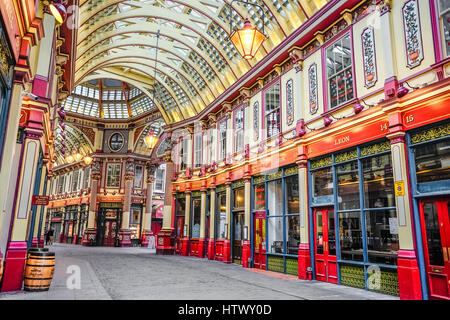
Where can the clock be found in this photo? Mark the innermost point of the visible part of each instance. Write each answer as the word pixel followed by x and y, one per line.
pixel 116 142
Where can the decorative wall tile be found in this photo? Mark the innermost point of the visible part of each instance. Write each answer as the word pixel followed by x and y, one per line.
pixel 313 95
pixel 289 102
pixel 413 36
pixel 369 59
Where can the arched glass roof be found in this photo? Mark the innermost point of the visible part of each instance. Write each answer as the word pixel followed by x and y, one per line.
pixel 108 99
pixel 196 61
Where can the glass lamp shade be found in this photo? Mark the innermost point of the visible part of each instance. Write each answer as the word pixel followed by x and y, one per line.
pixel 78 156
pixel 70 158
pixel 87 160
pixel 58 11
pixel 150 140
pixel 247 40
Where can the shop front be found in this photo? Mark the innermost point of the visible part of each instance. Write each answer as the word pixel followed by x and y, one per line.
pixel 429 158
pixel 276 229
pixel 135 224
pixel 108 224
pixel 220 222
pixel 194 225
pixel 237 221
pixel 353 219
pixel 180 207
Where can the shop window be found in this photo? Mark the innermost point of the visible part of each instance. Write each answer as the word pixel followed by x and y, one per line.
pixel 138 174
pixel 275 230
pixel 260 197
pixel 348 186
pixel 221 216
pixel 433 234
pixel 350 233
pixel 378 182
pixel 239 198
pixel 198 142
pixel 239 130
pixel 135 223
pixel 272 110
pixel 196 212
pixel 322 183
pixel 382 236
pixel 292 195
pixel 222 139
pixel 113 175
pixel 293 234
pixel 433 166
pixel 292 214
pixel 444 18
pixel 339 71
pixel 275 198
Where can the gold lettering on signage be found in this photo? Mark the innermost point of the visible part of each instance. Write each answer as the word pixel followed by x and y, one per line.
pixel 410 118
pixel 342 140
pixel 384 127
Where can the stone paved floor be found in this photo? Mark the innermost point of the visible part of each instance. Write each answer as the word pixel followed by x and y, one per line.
pixel 135 273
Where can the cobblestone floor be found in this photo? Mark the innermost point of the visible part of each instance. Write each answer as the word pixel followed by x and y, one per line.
pixel 134 273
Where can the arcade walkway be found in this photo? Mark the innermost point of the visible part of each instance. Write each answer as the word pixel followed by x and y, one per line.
pixel 134 273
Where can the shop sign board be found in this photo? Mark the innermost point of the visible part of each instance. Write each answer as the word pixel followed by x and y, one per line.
pixel 399 188
pixel 40 200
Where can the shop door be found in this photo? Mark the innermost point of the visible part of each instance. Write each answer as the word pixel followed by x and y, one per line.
pixel 238 236
pixel 179 234
pixel 110 233
pixel 435 222
pixel 325 245
pixel 260 240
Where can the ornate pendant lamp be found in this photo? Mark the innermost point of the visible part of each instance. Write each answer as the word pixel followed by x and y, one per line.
pixel 70 158
pixel 87 160
pixel 78 156
pixel 249 39
pixel 150 140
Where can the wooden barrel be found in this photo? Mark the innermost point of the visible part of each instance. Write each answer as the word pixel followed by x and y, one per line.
pixel 39 270
pixel 31 250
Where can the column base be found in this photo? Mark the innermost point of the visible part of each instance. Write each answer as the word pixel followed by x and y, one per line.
pixel 227 251
pixel 185 247
pixel 61 238
pixel 35 243
pixel 146 238
pixel 201 248
pixel 15 259
pixel 210 249
pixel 41 242
pixel 125 238
pixel 246 254
pixel 89 236
pixel 304 262
pixel 409 283
pixel 165 243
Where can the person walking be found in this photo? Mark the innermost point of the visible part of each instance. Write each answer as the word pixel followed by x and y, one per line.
pixel 50 236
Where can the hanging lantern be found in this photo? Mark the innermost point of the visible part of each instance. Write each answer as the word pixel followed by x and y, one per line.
pixel 150 140
pixel 78 156
pixel 87 160
pixel 58 11
pixel 70 158
pixel 62 125
pixel 247 40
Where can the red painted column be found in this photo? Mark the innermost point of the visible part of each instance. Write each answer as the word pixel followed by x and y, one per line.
pixel 125 232
pixel 151 168
pixel 90 233
pixel 246 253
pixel 227 251
pixel 304 262
pixel 210 249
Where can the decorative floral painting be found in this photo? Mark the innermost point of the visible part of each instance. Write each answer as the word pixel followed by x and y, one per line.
pixel 290 102
pixel 413 37
pixel 313 97
pixel 368 47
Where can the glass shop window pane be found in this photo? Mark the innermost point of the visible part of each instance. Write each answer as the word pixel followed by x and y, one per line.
pixel 260 197
pixel 434 242
pixel 323 185
pixel 113 176
pixel 382 236
pixel 432 165
pixel 331 233
pixel 378 182
pixel 292 195
pixel 275 230
pixel 293 234
pixel 351 236
pixel 275 198
pixel 272 110
pixel 181 206
pixel 239 198
pixel 196 212
pixel 221 216
pixel 348 186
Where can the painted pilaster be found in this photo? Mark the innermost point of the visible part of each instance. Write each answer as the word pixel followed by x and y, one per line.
pixel 227 241
pixel 201 240
pixel 407 261
pixel 125 232
pixel 187 214
pixel 212 223
pixel 246 250
pixel 39 211
pixel 304 254
pixel 90 232
pixel 149 204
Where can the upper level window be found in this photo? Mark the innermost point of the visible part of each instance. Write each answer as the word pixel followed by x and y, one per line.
pixel 138 177
pixel 61 184
pixel 239 130
pixel 183 154
pixel 272 110
pixel 87 172
pixel 339 72
pixel 75 175
pixel 222 139
pixel 198 141
pixel 113 175
pixel 211 146
pixel 444 17
pixel 160 175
